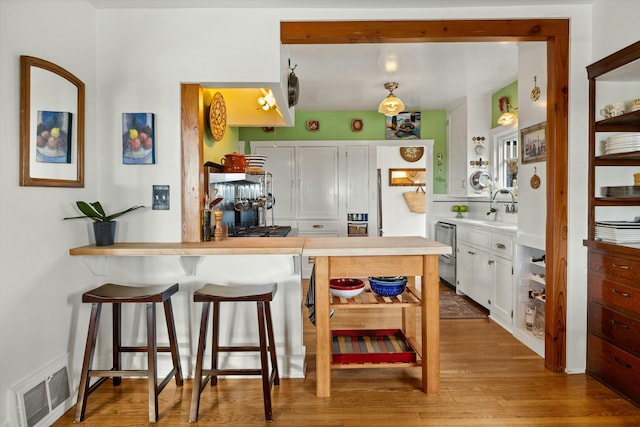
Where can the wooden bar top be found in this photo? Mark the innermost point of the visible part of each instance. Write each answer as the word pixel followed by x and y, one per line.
pixel 312 246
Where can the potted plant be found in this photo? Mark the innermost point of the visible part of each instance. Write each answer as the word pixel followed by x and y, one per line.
pixel 104 226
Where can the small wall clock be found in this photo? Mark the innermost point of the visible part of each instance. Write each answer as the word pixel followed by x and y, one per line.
pixel 411 154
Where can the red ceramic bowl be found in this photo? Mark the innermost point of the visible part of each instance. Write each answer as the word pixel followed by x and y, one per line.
pixel 346 283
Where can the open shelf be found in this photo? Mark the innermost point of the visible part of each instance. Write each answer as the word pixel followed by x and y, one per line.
pixel 372 346
pixel 368 299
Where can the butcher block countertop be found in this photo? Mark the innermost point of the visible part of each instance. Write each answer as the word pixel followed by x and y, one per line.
pixel 311 246
pixel 232 246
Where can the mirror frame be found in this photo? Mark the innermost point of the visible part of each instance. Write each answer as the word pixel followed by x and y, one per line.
pixel 396 180
pixel 26 64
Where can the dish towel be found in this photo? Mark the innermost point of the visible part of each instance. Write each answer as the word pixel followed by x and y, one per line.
pixel 310 301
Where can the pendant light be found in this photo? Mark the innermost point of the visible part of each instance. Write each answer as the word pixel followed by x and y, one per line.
pixel 509 114
pixel 391 105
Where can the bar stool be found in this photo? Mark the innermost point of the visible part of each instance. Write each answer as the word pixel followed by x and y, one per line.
pixel 117 295
pixel 262 295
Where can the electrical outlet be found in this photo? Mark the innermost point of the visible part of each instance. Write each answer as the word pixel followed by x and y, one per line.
pixel 160 197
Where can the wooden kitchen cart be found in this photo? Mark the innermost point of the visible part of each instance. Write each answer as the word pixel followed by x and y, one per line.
pixel 380 256
pixel 613 350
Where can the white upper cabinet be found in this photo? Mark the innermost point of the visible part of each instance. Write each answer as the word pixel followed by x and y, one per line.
pixel 357 179
pixel 317 182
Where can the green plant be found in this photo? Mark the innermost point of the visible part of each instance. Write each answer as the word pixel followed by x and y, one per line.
pixel 96 213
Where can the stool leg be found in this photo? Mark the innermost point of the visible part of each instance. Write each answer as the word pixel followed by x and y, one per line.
pixel 215 341
pixel 197 377
pixel 83 388
pixel 264 361
pixel 152 367
pixel 272 345
pixel 173 341
pixel 117 341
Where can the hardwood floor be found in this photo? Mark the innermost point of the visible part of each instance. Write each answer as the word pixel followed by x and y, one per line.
pixel 488 378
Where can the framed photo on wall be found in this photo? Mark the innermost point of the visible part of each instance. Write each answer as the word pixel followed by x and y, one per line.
pixel 138 138
pixel 403 126
pixel 533 144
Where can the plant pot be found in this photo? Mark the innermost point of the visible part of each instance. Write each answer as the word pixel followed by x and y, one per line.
pixel 105 232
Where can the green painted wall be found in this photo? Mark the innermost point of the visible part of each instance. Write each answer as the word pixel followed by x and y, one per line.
pixel 336 125
pixel 511 92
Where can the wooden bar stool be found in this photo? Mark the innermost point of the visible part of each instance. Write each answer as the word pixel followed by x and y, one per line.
pixel 117 295
pixel 262 295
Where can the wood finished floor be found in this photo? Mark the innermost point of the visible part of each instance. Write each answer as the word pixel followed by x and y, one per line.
pixel 488 378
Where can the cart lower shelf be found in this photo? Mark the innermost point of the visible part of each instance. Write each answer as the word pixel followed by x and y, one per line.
pixel 362 348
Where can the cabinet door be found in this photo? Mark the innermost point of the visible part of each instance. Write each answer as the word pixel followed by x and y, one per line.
pixel 317 182
pixel 357 176
pixel 464 269
pixel 281 163
pixel 457 151
pixel 502 303
pixel 475 274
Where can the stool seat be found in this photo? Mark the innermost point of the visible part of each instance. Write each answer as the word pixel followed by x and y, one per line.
pixel 212 294
pixel 117 295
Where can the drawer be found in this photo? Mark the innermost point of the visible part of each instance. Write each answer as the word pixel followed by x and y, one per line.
pixel 619 329
pixel 614 268
pixel 319 227
pixel 472 236
pixel 616 294
pixel 502 245
pixel 614 367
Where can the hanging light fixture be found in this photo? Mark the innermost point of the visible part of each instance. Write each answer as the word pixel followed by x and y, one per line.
pixel 391 105
pixel 509 114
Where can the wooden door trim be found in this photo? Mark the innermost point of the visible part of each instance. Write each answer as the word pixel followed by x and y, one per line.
pixel 555 32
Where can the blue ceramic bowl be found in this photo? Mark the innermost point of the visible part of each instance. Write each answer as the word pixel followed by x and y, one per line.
pixel 388 286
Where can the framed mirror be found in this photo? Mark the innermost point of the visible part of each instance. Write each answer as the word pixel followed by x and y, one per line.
pixel 407 177
pixel 51 125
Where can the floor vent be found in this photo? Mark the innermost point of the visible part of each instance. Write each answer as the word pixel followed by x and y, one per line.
pixel 45 396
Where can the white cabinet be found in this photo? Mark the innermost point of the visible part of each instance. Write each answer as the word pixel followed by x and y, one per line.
pixel 502 257
pixel 475 272
pixel 305 181
pixel 357 179
pixel 531 279
pixel 457 151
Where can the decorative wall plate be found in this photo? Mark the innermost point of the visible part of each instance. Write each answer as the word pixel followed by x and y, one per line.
pixel 313 125
pixel 218 116
pixel 411 154
pixel 535 180
pixel 356 125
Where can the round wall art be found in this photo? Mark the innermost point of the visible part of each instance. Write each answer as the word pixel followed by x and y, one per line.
pixel 218 116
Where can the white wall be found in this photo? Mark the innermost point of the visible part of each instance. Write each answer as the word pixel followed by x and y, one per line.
pixel 134 60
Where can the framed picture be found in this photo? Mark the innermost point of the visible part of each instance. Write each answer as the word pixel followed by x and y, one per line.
pixel 313 125
pixel 407 177
pixel 51 125
pixel 533 144
pixel 403 126
pixel 138 139
pixel 356 125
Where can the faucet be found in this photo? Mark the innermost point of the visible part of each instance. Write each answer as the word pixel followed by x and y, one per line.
pixel 508 208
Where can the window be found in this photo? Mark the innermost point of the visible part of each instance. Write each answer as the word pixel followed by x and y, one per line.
pixel 505 155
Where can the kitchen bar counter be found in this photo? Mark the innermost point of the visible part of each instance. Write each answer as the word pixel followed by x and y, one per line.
pixel 334 257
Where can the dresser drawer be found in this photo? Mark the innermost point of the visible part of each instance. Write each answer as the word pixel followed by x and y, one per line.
pixel 614 268
pixel 502 245
pixel 615 327
pixel 614 367
pixel 612 293
pixel 331 228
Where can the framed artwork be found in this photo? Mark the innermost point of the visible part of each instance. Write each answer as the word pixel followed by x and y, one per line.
pixel 533 147
pixel 313 125
pixel 403 126
pixel 51 125
pixel 356 125
pixel 411 154
pixel 138 139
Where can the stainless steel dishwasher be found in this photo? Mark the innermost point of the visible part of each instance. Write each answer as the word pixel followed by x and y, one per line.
pixel 446 233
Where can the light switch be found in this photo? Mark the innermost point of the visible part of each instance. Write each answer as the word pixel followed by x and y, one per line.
pixel 160 197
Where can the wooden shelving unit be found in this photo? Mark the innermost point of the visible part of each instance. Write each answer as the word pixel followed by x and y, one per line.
pixel 614 269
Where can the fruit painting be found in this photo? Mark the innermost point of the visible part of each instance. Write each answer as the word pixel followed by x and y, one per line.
pixel 53 137
pixel 138 138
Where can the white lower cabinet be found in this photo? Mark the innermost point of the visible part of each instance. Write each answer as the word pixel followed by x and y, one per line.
pixel 485 271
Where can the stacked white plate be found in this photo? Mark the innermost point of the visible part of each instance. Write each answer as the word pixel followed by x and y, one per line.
pixel 255 161
pixel 618 231
pixel 622 143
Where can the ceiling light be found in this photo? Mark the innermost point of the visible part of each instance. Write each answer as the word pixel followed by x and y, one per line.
pixel 391 105
pixel 391 65
pixel 509 113
pixel 268 101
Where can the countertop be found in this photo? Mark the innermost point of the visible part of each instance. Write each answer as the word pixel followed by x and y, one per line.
pixel 311 246
pixel 500 226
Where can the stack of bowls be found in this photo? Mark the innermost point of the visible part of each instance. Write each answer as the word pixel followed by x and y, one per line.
pixel 388 286
pixel 255 162
pixel 346 288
